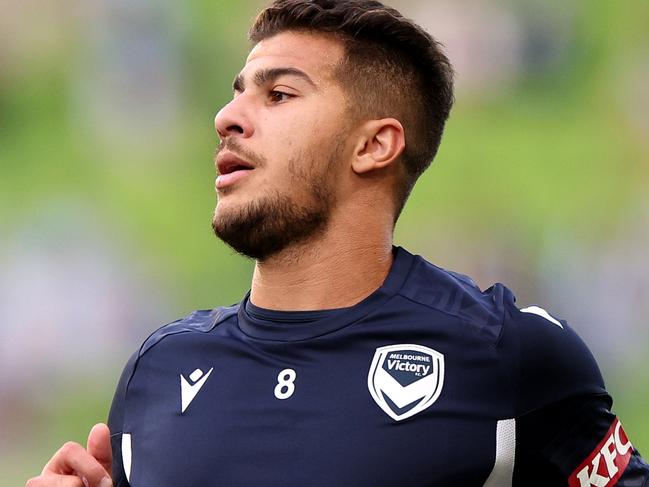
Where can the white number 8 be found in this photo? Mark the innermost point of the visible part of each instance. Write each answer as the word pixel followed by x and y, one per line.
pixel 285 384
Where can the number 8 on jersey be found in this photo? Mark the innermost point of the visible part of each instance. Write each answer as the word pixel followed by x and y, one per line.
pixel 285 384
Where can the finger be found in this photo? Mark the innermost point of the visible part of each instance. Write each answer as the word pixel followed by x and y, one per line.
pixel 99 446
pixel 73 459
pixel 55 481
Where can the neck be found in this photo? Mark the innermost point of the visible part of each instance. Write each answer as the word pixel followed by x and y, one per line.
pixel 326 273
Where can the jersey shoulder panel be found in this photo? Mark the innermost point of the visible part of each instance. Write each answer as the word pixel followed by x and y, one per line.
pixel 459 296
pixel 549 362
pixel 202 321
pixel 543 357
pixel 198 321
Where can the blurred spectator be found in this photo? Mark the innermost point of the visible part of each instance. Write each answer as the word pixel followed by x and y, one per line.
pixel 633 92
pixel 128 85
pixel 602 288
pixel 73 303
pixel 33 34
pixel 494 44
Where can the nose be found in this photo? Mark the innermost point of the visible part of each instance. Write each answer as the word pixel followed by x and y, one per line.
pixel 233 120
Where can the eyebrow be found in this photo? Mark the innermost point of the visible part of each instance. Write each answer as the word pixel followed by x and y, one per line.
pixel 268 75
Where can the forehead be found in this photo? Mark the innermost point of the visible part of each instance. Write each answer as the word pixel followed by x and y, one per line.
pixel 315 54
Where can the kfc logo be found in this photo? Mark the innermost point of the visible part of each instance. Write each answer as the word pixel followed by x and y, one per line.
pixel 606 464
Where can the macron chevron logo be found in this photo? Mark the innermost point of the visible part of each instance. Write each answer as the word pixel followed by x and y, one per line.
pixel 190 388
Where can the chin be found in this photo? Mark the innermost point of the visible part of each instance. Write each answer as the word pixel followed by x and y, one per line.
pixel 221 212
pixel 232 207
pixel 230 201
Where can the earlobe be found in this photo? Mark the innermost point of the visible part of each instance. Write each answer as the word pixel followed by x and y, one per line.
pixel 381 143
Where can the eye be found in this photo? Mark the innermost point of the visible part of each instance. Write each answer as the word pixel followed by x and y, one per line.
pixel 276 96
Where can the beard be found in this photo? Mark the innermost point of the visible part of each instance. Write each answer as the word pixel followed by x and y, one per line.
pixel 268 225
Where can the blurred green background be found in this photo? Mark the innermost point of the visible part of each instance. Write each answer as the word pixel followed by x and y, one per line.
pixel 106 186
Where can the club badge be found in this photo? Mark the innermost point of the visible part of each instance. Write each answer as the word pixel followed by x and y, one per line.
pixel 405 379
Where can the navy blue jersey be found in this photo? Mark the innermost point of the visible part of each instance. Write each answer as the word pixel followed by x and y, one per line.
pixel 427 382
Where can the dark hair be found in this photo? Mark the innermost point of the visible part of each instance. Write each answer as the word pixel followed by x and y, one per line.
pixel 392 68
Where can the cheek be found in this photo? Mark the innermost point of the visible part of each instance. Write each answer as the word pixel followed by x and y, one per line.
pixel 296 140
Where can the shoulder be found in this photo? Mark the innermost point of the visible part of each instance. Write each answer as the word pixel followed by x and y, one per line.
pixel 542 357
pixel 548 360
pixel 198 322
pixel 201 321
pixel 457 295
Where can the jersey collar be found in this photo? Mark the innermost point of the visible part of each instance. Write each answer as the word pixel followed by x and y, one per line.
pixel 294 329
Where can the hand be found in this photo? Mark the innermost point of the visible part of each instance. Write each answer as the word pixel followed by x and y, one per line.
pixel 74 466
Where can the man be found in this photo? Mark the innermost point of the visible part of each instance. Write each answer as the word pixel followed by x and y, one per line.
pixel 350 362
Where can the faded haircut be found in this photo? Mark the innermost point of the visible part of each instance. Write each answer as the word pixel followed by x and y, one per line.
pixel 392 68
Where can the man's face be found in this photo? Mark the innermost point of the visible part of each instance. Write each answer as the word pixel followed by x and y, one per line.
pixel 282 145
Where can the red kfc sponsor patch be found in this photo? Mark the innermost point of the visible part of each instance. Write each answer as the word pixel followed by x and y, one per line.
pixel 606 464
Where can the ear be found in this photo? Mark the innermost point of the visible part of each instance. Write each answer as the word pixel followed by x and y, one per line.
pixel 379 144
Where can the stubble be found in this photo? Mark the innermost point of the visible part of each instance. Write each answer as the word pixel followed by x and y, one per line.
pixel 285 217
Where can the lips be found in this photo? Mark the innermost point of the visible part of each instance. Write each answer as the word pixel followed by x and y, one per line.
pixel 229 163
pixel 231 169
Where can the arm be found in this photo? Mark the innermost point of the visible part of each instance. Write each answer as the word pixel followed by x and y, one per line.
pixel 577 442
pixel 566 433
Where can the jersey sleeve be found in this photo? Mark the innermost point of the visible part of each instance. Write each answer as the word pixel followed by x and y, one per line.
pixel 116 423
pixel 566 434
pixel 549 360
pixel 577 442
